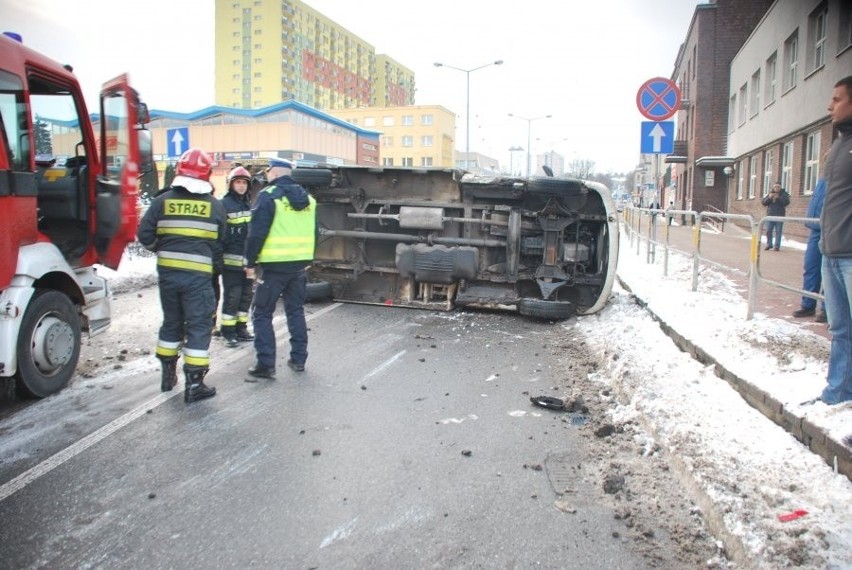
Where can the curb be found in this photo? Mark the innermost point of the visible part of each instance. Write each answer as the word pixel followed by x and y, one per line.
pixel 833 452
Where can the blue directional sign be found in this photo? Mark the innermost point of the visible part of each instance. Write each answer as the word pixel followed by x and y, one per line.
pixel 177 141
pixel 657 137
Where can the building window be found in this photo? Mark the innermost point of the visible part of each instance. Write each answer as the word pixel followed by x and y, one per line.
pixel 754 104
pixel 791 61
pixel 752 177
pixel 743 110
pixel 787 167
pixel 426 140
pixel 369 121
pixel 816 33
pixel 426 120
pixel 732 113
pixel 845 30
pixel 811 162
pixel 387 141
pixel 408 120
pixel 426 161
pixel 408 161
pixel 387 121
pixel 740 180
pixel 767 172
pixel 408 140
pixel 388 161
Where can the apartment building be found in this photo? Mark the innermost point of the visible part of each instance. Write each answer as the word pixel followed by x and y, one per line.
pixel 415 135
pixel 718 29
pixel 781 83
pixel 269 51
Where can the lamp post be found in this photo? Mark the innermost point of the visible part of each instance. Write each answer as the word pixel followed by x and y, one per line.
pixel 529 131
pixel 467 72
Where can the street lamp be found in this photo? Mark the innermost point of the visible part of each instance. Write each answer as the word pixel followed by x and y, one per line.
pixel 467 72
pixel 529 131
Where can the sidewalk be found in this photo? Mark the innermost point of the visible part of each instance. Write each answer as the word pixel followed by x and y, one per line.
pixel 779 396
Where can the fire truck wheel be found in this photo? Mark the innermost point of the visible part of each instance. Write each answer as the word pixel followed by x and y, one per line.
pixel 48 345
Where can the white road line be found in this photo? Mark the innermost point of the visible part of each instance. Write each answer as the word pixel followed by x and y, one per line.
pixel 385 364
pixel 82 445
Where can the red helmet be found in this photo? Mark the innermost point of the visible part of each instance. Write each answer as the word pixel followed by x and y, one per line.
pixel 239 173
pixel 195 163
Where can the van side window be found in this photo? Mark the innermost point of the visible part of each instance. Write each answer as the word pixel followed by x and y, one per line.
pixel 13 121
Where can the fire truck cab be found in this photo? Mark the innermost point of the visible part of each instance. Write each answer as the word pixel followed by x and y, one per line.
pixel 67 202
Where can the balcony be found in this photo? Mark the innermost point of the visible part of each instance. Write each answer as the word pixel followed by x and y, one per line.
pixel 680 153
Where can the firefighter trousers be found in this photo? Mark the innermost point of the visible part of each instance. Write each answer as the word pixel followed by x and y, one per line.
pixel 187 300
pixel 236 300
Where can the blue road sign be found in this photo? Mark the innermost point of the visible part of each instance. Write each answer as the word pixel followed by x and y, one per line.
pixel 658 99
pixel 657 138
pixel 177 141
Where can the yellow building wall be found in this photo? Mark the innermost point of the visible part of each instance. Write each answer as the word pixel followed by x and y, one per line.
pixel 389 121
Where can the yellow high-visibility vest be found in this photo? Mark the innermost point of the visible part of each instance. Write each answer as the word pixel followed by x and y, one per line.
pixel 292 235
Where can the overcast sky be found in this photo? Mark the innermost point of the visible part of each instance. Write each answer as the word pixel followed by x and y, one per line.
pixel 581 62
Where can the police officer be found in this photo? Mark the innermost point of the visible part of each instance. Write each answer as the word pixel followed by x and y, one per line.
pixel 281 240
pixel 236 297
pixel 185 226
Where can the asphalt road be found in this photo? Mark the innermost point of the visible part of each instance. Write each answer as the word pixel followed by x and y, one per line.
pixel 409 442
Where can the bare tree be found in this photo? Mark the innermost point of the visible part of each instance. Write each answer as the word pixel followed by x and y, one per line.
pixel 581 168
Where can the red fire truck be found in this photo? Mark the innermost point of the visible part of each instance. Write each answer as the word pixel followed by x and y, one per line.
pixel 68 193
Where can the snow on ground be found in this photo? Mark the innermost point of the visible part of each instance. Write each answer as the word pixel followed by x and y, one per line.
pixel 747 469
pixel 744 470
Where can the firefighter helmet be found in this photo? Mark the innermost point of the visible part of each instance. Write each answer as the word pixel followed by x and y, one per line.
pixel 195 163
pixel 238 173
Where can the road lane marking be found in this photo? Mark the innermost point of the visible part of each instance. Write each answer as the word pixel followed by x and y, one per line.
pixel 381 367
pixel 54 461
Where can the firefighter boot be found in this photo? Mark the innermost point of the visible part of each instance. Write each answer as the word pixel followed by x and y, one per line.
pixel 195 388
pixel 230 334
pixel 243 333
pixel 169 378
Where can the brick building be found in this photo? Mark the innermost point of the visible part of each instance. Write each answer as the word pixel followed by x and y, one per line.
pixel 702 70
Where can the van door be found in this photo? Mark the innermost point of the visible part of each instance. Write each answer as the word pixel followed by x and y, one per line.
pixel 118 180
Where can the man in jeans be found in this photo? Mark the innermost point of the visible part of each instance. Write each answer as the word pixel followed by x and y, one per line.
pixel 776 203
pixel 836 246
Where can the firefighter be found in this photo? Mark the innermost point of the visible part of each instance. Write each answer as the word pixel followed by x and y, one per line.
pixel 185 225
pixel 282 238
pixel 236 297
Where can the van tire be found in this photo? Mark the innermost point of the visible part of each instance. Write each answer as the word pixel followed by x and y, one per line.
pixel 315 177
pixel 549 310
pixel 317 291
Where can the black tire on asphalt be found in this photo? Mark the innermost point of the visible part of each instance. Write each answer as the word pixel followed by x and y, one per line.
pixel 48 345
pixel 318 291
pixel 550 310
pixel 313 177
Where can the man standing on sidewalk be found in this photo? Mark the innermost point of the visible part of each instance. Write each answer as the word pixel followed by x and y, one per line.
pixel 776 203
pixel 836 246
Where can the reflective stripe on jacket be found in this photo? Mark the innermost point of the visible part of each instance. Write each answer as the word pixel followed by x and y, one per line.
pixel 292 235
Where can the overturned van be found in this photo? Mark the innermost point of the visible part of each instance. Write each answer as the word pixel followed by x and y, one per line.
pixel 438 239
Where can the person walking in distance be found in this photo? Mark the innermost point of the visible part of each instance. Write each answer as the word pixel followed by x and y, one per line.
pixel 812 274
pixel 836 246
pixel 281 241
pixel 185 226
pixel 237 287
pixel 776 203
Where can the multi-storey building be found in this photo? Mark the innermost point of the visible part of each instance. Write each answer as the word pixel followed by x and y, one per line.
pixel 781 83
pixel 717 31
pixel 268 51
pixel 416 135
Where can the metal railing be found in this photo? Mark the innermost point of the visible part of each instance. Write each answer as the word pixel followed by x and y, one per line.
pixel 641 225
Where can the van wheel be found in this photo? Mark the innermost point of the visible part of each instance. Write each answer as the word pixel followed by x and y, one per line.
pixel 48 345
pixel 317 291
pixel 550 310
pixel 317 177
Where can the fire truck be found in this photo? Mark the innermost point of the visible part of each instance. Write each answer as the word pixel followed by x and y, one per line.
pixel 68 196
